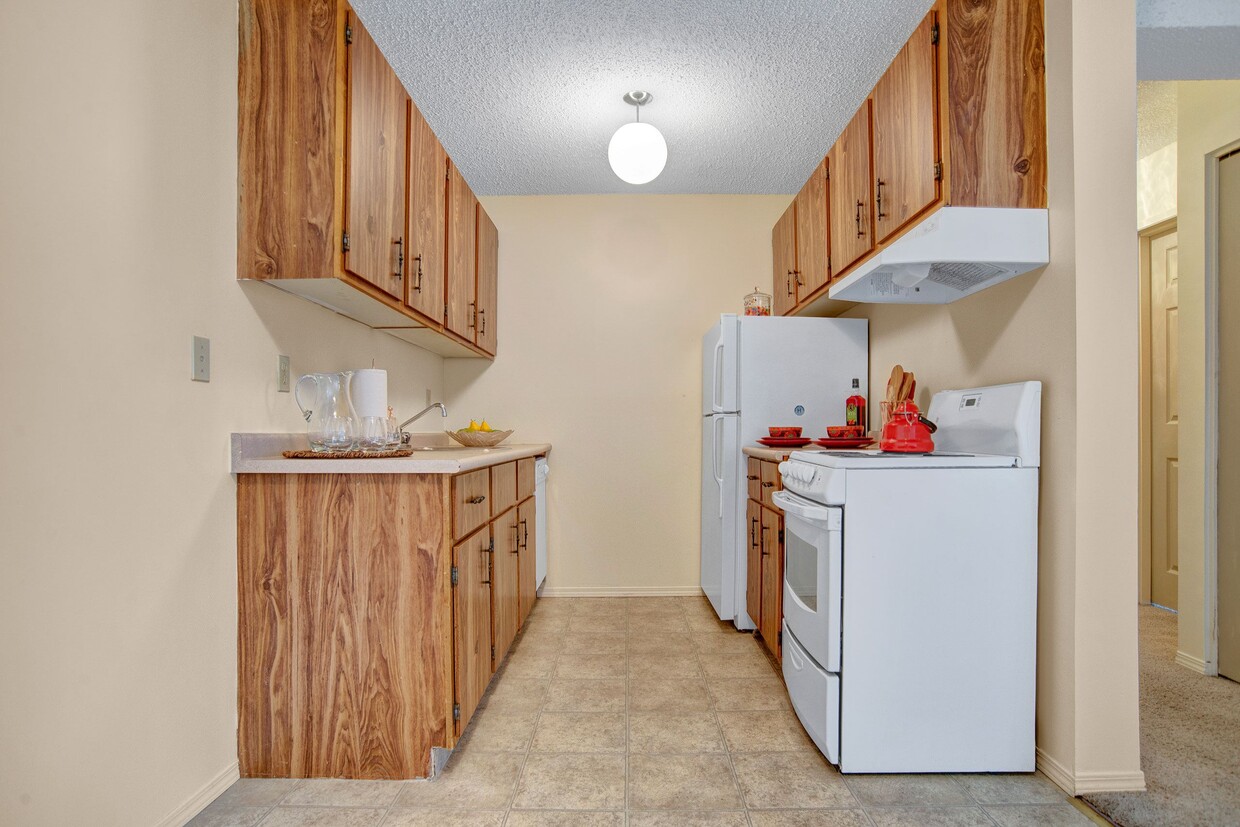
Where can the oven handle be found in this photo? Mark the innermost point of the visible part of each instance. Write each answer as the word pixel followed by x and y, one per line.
pixel 799 507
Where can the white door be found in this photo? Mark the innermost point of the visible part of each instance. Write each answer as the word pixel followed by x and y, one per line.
pixel 719 367
pixel 1164 420
pixel 719 518
pixel 1229 422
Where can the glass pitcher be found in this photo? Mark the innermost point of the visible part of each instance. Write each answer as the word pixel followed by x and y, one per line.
pixel 331 422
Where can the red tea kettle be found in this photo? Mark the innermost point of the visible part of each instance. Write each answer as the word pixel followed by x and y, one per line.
pixel 907 431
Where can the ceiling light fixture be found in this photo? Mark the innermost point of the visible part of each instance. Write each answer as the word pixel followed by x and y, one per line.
pixel 637 151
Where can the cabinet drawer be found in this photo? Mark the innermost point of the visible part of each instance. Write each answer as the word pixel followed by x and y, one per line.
pixel 525 478
pixel 503 487
pixel 471 501
pixel 770 482
pixel 753 475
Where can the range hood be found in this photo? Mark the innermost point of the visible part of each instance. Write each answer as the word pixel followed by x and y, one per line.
pixel 954 252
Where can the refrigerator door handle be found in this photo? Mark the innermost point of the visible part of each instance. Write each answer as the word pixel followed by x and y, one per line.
pixel 714 459
pixel 717 373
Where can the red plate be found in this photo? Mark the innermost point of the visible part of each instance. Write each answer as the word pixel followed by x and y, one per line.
pixel 784 442
pixel 845 442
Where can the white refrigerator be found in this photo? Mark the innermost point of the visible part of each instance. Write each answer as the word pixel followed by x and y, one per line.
pixel 759 371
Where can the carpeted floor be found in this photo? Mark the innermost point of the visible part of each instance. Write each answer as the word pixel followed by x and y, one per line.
pixel 1190 740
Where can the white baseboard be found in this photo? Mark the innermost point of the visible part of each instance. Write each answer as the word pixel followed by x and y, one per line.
pixel 1084 783
pixel 199 800
pixel 618 591
pixel 1191 662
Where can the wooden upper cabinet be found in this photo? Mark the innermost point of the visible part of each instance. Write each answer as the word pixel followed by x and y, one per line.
pixel 427 246
pixel 462 256
pixel 906 128
pixel 488 281
pixel 849 195
pixel 813 267
pixel 784 258
pixel 375 192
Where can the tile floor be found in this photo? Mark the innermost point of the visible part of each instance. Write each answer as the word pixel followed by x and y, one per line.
pixel 641 712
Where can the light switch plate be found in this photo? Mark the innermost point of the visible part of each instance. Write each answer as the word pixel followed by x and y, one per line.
pixel 282 371
pixel 202 359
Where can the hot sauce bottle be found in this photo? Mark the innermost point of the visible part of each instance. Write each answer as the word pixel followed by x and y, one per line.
pixel 855 408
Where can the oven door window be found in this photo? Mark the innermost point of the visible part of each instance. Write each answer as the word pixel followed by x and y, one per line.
pixel 801 568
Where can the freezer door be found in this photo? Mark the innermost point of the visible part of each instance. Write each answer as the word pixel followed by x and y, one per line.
pixel 719 519
pixel 719 367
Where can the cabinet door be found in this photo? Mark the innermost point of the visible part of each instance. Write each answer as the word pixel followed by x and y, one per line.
pixel 471 502
pixel 906 128
pixel 504 618
pixel 525 478
pixel 753 476
pixel 488 281
pixel 812 269
pixel 471 621
pixel 428 187
pixel 772 579
pixel 527 574
pixel 462 256
pixel 753 568
pixel 503 486
pixel 771 482
pixel 375 198
pixel 784 262
pixel 849 195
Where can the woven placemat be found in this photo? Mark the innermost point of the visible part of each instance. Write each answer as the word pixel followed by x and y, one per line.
pixel 399 452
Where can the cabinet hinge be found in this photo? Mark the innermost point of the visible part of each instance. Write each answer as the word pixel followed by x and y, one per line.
pixel 934 35
pixel 348 34
pixel 344 242
pixel 456 576
pixel 456 712
pixel 491 548
pixel 492 653
pixel 938 170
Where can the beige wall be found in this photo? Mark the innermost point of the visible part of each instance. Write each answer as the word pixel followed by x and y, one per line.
pixel 603 303
pixel 1156 186
pixel 1209 119
pixel 1078 337
pixel 118 225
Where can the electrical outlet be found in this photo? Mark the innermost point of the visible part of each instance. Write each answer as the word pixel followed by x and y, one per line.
pixel 282 371
pixel 202 359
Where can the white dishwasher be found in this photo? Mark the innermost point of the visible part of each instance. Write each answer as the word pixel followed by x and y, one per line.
pixel 541 471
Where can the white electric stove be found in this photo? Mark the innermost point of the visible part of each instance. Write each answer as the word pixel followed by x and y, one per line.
pixel 910 592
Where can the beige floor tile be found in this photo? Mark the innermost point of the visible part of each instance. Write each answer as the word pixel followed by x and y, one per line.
pixel 601 607
pixel 324 817
pixel 688 818
pixel 1041 815
pixel 530 665
pixel 808 818
pixel 777 731
pixel 791 779
pixel 546 607
pixel 580 781
pixel 907 790
pixel 604 624
pixel 471 781
pixel 651 694
pixel 580 732
pixel 724 643
pixel 1011 788
pixel 338 792
pixel 554 818
pixel 229 815
pixel 257 792
pixel 500 728
pixel 516 693
pixel 929 817
pixel 682 782
pixel 540 642
pixel 647 644
pixel 674 732
pixel 590 666
pixel 444 818
pixel 707 623
pixel 748 694
pixel 585 695
pixel 664 665
pixel 594 643
pixel 753 665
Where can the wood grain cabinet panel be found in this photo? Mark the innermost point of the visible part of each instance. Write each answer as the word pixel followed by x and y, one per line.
pixel 525 478
pixel 471 501
pixel 813 268
pixel 505 597
pixel 753 560
pixel 462 282
pixel 488 281
pixel 784 251
pixel 527 592
pixel 428 192
pixel 906 128
pixel 753 476
pixel 772 580
pixel 375 198
pixel 503 487
pixel 471 608
pixel 849 195
pixel 771 482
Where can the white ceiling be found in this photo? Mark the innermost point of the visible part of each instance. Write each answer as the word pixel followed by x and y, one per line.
pixel 525 94
pixel 1157 115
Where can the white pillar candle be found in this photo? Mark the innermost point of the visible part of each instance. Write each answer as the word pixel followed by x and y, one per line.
pixel 370 392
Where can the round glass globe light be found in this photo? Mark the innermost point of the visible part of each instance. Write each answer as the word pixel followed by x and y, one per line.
pixel 637 153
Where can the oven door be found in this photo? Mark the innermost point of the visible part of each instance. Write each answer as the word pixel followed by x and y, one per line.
pixel 813 570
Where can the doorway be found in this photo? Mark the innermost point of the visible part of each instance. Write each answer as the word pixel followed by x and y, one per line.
pixel 1228 543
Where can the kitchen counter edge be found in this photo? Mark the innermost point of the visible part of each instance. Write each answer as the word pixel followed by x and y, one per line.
pixel 261 454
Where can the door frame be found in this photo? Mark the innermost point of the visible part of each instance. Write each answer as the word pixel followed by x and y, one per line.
pixel 1145 448
pixel 1210 567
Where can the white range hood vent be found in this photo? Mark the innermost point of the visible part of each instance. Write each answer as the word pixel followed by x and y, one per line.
pixel 953 253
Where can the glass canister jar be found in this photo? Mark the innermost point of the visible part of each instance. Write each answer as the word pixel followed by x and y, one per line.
pixel 758 303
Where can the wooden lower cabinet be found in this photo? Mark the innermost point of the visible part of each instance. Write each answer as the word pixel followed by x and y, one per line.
pixel 772 580
pixel 753 569
pixel 764 583
pixel 365 622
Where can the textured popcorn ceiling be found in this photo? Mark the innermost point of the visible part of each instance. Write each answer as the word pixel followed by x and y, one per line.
pixel 1157 117
pixel 750 95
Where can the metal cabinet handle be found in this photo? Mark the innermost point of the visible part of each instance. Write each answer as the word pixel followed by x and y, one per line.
pixel 788 282
pixel 752 477
pixel 481 498
pixel 473 314
pixel 417 274
pixel 516 538
pixel 797 273
pixel 482 314
pixel 879 196
pixel 860 204
pixel 400 257
pixel 768 485
pixel 753 531
pixel 525 534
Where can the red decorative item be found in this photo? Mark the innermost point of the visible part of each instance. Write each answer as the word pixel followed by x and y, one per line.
pixel 854 408
pixel 784 442
pixel 845 431
pixel 845 443
pixel 785 431
pixel 907 432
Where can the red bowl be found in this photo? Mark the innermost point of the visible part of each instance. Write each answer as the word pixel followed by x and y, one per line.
pixel 785 431
pixel 845 431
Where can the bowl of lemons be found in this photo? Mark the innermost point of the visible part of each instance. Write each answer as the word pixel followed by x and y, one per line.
pixel 479 435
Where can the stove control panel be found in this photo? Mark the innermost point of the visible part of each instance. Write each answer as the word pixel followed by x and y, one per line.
pixel 813 482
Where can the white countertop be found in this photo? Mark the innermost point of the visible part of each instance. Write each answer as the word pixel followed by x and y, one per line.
pixel 262 454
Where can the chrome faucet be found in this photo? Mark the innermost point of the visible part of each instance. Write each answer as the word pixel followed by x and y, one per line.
pixel 404 437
